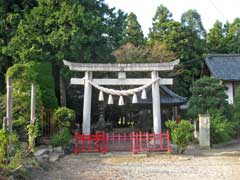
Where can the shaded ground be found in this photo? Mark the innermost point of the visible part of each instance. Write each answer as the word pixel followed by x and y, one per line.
pixel 217 164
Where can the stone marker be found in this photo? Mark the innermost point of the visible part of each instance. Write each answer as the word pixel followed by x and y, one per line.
pixel 204 130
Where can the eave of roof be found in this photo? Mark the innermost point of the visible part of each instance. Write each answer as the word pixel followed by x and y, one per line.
pixel 170 98
pixel 224 66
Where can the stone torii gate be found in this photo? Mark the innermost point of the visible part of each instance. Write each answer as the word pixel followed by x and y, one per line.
pixel 88 82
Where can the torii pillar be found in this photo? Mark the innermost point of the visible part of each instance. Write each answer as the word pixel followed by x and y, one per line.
pixel 87 104
pixel 156 104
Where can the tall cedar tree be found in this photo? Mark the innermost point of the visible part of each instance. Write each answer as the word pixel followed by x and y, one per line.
pixel 216 39
pixel 134 34
pixel 185 38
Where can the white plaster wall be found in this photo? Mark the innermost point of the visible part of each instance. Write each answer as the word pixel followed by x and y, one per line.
pixel 229 92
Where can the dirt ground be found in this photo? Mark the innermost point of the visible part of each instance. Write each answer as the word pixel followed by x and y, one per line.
pixel 214 164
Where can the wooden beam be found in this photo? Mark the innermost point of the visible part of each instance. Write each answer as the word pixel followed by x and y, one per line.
pixel 80 81
pixel 93 67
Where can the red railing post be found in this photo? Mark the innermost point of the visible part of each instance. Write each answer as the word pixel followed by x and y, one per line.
pixel 161 140
pixel 76 142
pixel 113 137
pixel 119 138
pixel 140 140
pixel 104 148
pixel 133 143
pixel 154 141
pixel 83 142
pixel 107 136
pixel 124 138
pixel 147 141
pixel 97 139
pixel 168 142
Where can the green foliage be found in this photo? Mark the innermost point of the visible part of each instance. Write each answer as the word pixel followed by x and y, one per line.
pixel 61 138
pixel 11 13
pixel 192 19
pixel 22 76
pixel 208 96
pixel 81 31
pixel 181 133
pixel 186 39
pixel 130 53
pixel 134 34
pixel 236 112
pixel 2 108
pixel 3 146
pixel 64 117
pixel 10 154
pixel 224 38
pixel 33 133
pixel 216 39
pixel 221 129
pixel 45 80
pixel 78 30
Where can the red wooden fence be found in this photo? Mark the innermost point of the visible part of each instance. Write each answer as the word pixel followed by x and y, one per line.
pixel 135 142
pixel 149 142
pixel 90 143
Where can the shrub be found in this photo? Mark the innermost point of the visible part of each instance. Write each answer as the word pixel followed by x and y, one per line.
pixel 10 153
pixel 236 113
pixel 33 133
pixel 181 133
pixel 61 138
pixel 208 96
pixel 221 129
pixel 64 117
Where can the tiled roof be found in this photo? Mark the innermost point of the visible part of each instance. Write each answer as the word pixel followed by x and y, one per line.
pixel 167 97
pixel 224 66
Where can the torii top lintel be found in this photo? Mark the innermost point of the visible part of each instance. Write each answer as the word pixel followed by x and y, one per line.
pixel 93 67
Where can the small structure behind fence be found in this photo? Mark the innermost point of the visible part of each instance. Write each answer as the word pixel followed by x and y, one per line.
pixel 136 142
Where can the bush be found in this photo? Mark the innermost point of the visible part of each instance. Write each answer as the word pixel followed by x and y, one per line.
pixel 181 133
pixel 64 117
pixel 10 153
pixel 208 96
pixel 236 113
pixel 221 129
pixel 61 138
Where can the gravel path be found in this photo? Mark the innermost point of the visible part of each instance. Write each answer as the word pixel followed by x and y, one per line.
pixel 120 166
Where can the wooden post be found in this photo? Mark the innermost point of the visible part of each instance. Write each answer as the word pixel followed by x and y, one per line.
pixel 87 104
pixel 51 121
pixel 33 103
pixel 9 104
pixel 156 104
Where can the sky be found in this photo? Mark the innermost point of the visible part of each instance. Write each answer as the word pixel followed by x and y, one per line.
pixel 210 10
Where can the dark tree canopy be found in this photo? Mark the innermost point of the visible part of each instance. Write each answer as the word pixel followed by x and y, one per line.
pixel 54 30
pixel 11 13
pixel 82 31
pixel 208 96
